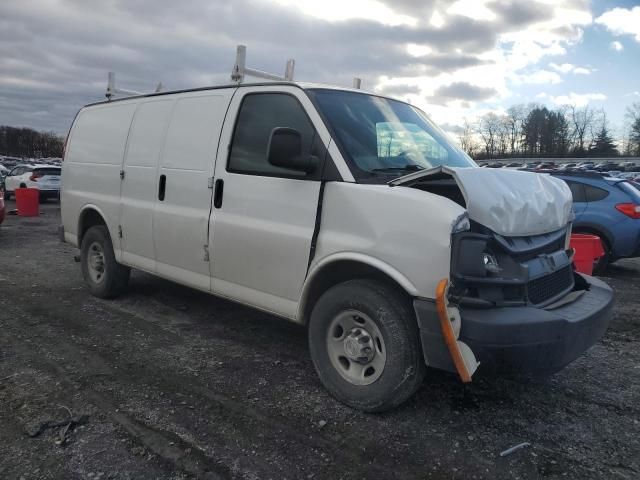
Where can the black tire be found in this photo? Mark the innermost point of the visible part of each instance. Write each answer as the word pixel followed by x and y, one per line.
pixel 603 262
pixel 392 313
pixel 115 277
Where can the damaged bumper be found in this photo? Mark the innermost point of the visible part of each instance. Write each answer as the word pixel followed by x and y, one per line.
pixel 523 339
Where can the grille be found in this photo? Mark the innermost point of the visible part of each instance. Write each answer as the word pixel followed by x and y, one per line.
pixel 544 288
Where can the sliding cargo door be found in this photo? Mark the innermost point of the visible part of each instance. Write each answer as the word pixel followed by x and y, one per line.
pixel 139 183
pixel 181 214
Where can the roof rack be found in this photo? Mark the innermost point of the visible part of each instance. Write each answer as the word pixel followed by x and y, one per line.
pixel 240 69
pixel 112 90
pixel 238 73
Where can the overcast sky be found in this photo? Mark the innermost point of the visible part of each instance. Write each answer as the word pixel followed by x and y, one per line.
pixel 454 59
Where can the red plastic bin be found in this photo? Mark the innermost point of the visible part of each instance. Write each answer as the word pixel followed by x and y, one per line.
pixel 28 202
pixel 588 250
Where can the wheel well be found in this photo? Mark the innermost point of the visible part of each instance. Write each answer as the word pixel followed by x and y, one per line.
pixel 89 218
pixel 342 271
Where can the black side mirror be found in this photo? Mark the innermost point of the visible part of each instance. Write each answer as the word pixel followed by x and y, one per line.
pixel 285 150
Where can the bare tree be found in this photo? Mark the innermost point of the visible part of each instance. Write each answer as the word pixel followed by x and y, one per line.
pixel 488 129
pixel 514 119
pixel 467 139
pixel 582 125
pixel 633 116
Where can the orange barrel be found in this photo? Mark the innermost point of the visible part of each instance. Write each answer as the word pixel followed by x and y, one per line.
pixel 588 250
pixel 28 202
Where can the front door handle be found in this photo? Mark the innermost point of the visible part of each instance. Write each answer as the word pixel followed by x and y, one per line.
pixel 161 187
pixel 217 193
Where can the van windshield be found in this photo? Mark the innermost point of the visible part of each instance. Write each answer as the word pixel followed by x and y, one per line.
pixel 384 138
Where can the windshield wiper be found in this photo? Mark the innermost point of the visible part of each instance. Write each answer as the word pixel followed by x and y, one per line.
pixel 405 168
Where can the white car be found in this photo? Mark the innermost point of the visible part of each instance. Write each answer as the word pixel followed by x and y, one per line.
pixel 45 178
pixel 348 212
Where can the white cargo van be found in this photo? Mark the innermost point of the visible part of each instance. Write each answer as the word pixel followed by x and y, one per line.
pixel 345 211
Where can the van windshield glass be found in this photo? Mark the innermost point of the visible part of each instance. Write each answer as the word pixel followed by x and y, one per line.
pixel 385 138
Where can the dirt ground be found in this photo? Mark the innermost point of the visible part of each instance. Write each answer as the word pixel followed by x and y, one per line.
pixel 170 383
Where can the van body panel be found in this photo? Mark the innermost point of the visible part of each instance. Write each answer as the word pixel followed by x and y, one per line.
pixel 139 187
pixel 180 221
pixel 91 169
pixel 392 225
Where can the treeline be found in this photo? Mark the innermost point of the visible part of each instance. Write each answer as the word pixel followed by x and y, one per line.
pixel 25 142
pixel 536 131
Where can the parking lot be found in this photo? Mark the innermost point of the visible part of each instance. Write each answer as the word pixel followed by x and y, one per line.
pixel 167 382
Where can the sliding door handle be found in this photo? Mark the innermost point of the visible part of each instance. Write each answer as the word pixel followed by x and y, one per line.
pixel 218 190
pixel 161 187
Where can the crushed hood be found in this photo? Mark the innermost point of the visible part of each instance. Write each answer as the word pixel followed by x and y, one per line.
pixel 509 202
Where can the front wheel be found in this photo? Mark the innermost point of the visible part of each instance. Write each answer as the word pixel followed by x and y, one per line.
pixel 105 277
pixel 364 343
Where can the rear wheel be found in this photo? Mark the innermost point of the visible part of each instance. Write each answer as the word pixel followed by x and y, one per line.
pixel 364 343
pixel 105 277
pixel 600 266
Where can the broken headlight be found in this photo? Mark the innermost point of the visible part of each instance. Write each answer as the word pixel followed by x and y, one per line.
pixel 461 224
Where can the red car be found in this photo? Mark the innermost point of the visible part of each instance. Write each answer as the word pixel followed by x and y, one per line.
pixel 1 206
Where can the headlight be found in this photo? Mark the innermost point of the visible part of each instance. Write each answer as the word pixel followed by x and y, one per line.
pixel 490 263
pixel 461 224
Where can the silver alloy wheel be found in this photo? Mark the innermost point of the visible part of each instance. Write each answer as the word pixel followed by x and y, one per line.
pixel 356 347
pixel 96 262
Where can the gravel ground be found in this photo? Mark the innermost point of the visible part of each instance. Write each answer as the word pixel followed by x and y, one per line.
pixel 170 383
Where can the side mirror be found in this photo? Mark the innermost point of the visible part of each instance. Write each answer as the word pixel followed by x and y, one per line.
pixel 285 150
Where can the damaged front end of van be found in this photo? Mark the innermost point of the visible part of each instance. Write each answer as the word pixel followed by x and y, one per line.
pixel 513 301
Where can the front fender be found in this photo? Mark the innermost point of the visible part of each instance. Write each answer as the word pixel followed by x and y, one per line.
pixel 403 230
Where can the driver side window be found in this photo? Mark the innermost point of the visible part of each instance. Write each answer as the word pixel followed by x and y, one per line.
pixel 259 114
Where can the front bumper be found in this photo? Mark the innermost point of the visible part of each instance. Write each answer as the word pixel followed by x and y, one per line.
pixel 524 339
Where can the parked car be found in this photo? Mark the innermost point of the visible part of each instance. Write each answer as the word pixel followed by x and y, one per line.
pixel 609 208
pixel 513 165
pixel 45 178
pixel 585 166
pixel 2 207
pixel 609 167
pixel 546 166
pixel 566 166
pixel 348 212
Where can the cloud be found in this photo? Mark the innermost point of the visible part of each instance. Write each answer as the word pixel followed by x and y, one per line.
pixel 461 91
pixel 54 56
pixel 452 128
pixel 399 90
pixel 570 68
pixel 577 99
pixel 616 45
pixel 622 21
pixel 539 77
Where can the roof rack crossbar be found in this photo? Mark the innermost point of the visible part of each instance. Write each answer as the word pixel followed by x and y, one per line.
pixel 112 90
pixel 240 69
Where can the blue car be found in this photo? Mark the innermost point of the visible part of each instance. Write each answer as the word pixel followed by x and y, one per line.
pixel 609 208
